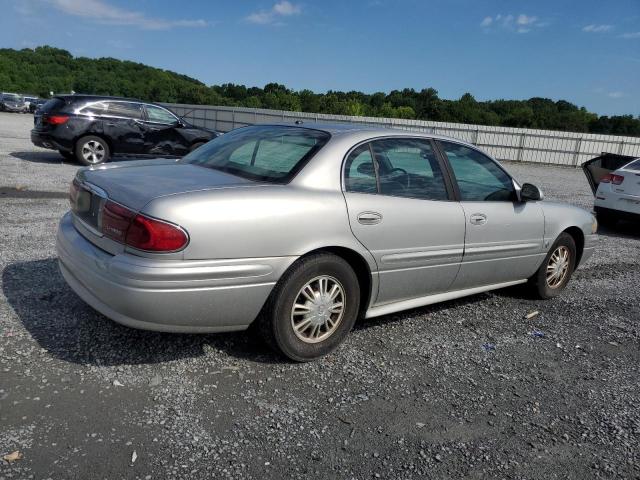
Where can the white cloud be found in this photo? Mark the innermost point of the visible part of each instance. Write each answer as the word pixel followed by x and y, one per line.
pixel 486 22
pixel 597 28
pixel 102 12
pixel 631 35
pixel 281 9
pixel 520 24
pixel 615 94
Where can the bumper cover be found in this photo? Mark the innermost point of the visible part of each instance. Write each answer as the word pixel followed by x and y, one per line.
pixel 190 296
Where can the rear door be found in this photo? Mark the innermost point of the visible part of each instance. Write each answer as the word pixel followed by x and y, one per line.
pixel 504 237
pixel 161 135
pixel 402 211
pixel 120 122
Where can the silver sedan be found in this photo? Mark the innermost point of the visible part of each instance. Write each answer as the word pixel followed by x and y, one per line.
pixel 303 229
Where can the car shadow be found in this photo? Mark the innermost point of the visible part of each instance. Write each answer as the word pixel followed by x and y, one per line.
pixel 69 329
pixel 40 157
pixel 622 229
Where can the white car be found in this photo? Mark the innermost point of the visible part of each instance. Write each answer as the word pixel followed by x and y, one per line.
pixel 615 181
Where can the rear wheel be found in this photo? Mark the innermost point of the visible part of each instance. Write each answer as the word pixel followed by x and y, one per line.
pixel 312 308
pixel 91 150
pixel 556 270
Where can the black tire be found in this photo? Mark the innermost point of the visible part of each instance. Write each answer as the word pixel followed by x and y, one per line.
pixel 539 283
pixel 276 319
pixel 67 155
pixel 85 142
pixel 607 219
pixel 196 145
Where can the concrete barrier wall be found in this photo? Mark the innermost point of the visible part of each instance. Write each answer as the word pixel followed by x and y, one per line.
pixel 513 144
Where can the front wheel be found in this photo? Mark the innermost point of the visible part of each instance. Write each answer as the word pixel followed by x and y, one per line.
pixel 556 270
pixel 312 308
pixel 92 150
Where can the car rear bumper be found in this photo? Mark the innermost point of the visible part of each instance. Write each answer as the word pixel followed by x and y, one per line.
pixel 617 203
pixel 167 295
pixel 45 140
pixel 621 214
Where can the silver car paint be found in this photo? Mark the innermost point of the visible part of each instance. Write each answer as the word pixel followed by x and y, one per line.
pixel 243 230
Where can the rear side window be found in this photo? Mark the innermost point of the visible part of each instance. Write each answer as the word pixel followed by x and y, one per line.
pixel 95 108
pixel 479 178
pixel 359 171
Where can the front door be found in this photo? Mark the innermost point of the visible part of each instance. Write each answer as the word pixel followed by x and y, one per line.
pixel 504 237
pixel 161 135
pixel 401 210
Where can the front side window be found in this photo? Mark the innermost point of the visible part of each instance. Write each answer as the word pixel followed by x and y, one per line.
pixel 263 153
pixel 408 167
pixel 160 115
pixel 479 178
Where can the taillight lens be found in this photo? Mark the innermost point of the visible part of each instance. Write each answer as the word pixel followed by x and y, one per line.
pixel 55 119
pixel 612 178
pixel 154 235
pixel 115 221
pixel 138 231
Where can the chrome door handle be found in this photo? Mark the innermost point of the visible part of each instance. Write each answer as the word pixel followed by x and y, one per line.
pixel 369 218
pixel 478 219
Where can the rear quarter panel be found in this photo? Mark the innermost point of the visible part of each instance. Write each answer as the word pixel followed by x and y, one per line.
pixel 259 221
pixel 559 217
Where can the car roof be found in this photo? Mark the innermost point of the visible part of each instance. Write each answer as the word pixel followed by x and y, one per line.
pixel 83 97
pixel 344 129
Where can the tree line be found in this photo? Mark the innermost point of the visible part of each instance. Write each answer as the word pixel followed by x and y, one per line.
pixel 47 69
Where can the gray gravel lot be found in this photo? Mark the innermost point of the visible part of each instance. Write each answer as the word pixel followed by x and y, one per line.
pixel 411 395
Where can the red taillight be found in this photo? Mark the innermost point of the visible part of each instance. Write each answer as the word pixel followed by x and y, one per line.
pixel 115 221
pixel 140 232
pixel 55 119
pixel 612 178
pixel 154 235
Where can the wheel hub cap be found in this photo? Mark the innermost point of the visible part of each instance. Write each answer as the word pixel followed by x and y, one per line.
pixel 318 309
pixel 558 266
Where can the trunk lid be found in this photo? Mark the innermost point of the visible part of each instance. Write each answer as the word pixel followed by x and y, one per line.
pixel 134 184
pixel 598 167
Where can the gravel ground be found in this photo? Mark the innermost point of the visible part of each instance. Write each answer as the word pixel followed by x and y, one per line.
pixel 411 395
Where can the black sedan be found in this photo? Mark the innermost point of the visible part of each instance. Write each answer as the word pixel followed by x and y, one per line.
pixel 91 129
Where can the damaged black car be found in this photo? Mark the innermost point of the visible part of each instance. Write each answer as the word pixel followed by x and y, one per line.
pixel 92 129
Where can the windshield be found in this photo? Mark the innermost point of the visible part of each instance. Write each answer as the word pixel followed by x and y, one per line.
pixel 12 97
pixel 263 153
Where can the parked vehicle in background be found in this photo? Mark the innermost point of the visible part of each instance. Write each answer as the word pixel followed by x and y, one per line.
pixel 615 182
pixel 33 103
pixel 12 102
pixel 91 129
pixel 305 229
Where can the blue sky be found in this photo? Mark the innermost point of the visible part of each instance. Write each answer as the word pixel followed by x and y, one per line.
pixel 583 51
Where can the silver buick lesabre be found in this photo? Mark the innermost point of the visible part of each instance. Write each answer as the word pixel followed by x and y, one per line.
pixel 303 229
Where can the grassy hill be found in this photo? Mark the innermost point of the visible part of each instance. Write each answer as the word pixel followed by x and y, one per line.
pixel 46 69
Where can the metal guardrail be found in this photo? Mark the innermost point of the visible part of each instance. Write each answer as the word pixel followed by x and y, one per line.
pixel 511 144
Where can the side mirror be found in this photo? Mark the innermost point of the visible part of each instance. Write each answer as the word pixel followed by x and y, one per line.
pixel 530 193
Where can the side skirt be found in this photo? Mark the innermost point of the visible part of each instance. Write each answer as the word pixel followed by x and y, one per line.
pixel 394 307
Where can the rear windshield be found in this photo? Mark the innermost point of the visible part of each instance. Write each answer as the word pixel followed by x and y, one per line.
pixel 12 97
pixel 635 166
pixel 262 153
pixel 52 105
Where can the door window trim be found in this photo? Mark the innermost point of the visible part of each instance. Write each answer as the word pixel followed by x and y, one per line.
pixel 449 184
